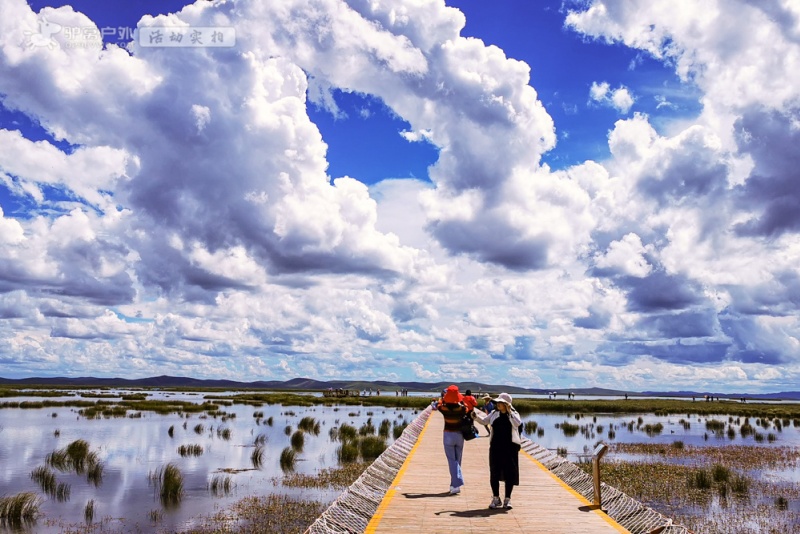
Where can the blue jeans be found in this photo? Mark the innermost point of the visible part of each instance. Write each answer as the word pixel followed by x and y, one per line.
pixel 453 449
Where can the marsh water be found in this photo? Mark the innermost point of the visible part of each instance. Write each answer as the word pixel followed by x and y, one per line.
pixel 131 449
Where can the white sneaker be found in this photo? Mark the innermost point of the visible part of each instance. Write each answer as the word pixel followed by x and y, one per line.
pixel 507 503
pixel 455 490
pixel 495 503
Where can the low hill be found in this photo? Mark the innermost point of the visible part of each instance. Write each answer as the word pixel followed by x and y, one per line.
pixel 310 384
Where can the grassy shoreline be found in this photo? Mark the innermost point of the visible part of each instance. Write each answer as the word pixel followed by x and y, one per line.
pixel 211 400
pixel 667 478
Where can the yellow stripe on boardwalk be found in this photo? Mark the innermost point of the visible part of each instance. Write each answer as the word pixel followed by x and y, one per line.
pixel 376 519
pixel 419 499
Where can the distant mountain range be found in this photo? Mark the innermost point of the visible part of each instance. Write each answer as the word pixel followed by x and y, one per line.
pixel 310 384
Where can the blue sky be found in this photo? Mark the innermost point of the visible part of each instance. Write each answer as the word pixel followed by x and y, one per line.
pixel 546 194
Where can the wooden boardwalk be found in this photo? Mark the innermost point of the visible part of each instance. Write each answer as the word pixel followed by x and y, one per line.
pixel 419 501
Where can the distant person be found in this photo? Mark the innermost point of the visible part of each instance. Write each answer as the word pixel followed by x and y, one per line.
pixel 453 410
pixel 488 407
pixel 503 448
pixel 469 401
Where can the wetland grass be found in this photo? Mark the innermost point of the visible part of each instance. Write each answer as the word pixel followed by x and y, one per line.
pixel 531 427
pixel 310 425
pixel 168 482
pixel 334 477
pixel 221 485
pixel 264 515
pixel 347 432
pixel 18 509
pixel 653 429
pixel 77 457
pixel 298 440
pixel 190 450
pixel 398 428
pixel 257 456
pixel 46 479
pixel 94 474
pixel 384 428
pixel 715 426
pixel 367 428
pixel 569 429
pixel 347 452
pixel 708 489
pixel 62 492
pixel 171 431
pixel 88 511
pixel 370 447
pixel 224 433
pixel 288 459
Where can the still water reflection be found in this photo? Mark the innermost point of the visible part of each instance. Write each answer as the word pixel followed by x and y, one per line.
pixel 132 448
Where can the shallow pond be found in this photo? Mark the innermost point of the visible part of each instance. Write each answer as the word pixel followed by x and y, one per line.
pixel 130 449
pixel 637 428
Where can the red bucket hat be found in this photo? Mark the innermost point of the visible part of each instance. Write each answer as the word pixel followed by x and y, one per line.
pixel 452 396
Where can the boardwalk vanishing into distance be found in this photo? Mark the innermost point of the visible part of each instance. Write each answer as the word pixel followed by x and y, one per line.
pixel 407 490
pixel 419 500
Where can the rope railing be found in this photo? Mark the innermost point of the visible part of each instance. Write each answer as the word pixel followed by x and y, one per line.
pixel 352 511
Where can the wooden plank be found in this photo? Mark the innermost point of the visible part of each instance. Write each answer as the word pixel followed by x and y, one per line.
pixel 419 498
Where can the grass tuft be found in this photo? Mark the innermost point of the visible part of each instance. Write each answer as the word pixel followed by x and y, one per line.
pixel 190 450
pixel 347 452
pixel 310 425
pixel 168 481
pixel 720 473
pixel 298 440
pixel 288 459
pixel 221 485
pixel 398 428
pixel 370 447
pixel 88 511
pixel 347 433
pixel 257 456
pixel 77 457
pixel 20 508
pixel 46 479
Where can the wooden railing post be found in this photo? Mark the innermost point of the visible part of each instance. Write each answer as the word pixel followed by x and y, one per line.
pixel 599 452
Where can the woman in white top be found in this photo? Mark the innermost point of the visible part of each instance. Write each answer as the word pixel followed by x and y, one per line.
pixel 503 448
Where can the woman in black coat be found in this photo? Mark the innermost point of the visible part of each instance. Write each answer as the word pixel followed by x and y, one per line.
pixel 503 448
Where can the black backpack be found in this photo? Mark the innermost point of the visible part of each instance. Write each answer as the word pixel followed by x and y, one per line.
pixel 468 429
